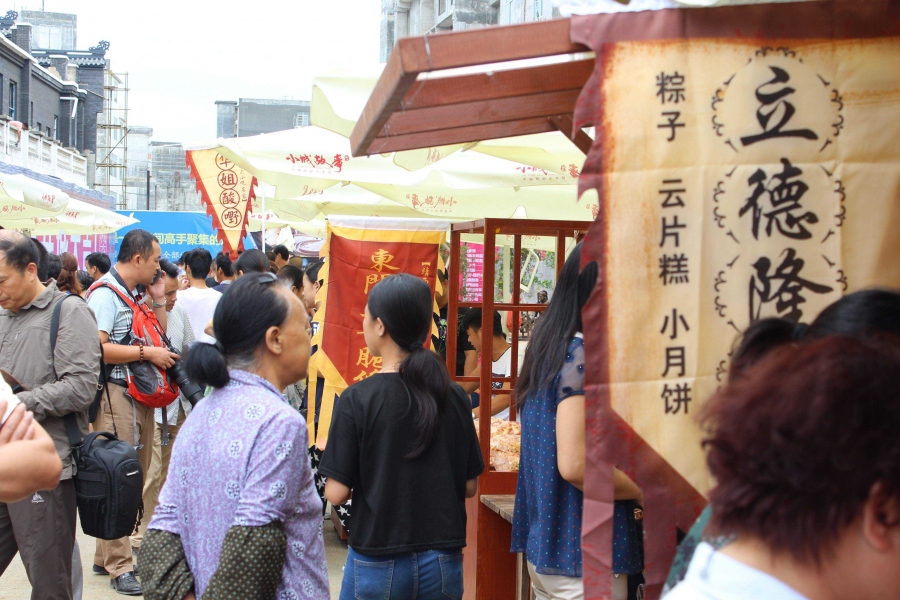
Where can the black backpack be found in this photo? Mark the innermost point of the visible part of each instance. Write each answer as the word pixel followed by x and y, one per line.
pixel 109 481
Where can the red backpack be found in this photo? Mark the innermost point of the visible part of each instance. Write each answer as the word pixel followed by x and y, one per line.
pixel 147 383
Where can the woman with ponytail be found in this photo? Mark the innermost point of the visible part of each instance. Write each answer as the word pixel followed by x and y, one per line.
pixel 238 516
pixel 67 280
pixel 404 442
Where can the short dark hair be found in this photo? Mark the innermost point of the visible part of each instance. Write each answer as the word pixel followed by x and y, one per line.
pixel 43 267
pixel 282 251
pixel 19 251
pixel 168 267
pixel 98 260
pixel 224 262
pixel 198 261
pixel 85 279
pixel 55 266
pixel 252 261
pixel 136 241
pixel 797 443
pixel 473 320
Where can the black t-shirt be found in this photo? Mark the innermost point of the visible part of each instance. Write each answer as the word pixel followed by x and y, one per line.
pixel 401 505
pixel 462 339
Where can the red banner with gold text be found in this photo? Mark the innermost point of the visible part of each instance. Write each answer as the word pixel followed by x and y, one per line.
pixel 226 191
pixel 357 258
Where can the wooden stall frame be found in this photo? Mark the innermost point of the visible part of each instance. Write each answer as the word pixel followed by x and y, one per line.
pixel 489 566
pixel 406 111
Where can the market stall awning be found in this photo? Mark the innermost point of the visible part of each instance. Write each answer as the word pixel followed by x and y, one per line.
pixel 411 109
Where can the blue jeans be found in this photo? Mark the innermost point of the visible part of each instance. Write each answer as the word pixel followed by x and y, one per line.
pixel 430 575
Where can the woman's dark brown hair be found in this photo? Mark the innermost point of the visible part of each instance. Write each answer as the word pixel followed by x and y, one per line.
pixel 797 444
pixel 68 278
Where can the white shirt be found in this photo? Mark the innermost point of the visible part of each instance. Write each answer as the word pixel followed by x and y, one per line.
pixel 714 576
pixel 501 367
pixel 200 305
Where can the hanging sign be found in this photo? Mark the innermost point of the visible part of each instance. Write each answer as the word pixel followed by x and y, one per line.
pixel 227 192
pixel 359 252
pixel 747 167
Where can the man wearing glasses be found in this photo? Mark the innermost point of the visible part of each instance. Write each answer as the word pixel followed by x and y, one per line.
pixel 170 418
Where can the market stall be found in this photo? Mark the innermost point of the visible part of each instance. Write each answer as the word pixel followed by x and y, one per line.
pixel 700 114
pixel 490 570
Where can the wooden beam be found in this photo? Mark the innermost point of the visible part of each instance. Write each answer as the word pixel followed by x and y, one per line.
pixel 429 53
pixel 565 123
pixel 487 45
pixel 460 135
pixel 389 90
pixel 481 112
pixel 443 91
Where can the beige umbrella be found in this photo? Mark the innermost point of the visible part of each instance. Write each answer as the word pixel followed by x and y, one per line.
pixel 339 98
pixel 23 197
pixel 78 218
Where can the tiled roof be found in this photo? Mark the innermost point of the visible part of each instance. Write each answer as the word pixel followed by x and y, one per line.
pixel 79 58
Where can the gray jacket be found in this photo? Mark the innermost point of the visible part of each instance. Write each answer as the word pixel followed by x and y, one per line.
pixel 25 354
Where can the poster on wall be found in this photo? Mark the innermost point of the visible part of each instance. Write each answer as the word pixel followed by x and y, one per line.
pixel 177 232
pixel 747 167
pixel 79 245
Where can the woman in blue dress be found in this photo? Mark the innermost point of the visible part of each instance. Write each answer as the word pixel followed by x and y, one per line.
pixel 549 496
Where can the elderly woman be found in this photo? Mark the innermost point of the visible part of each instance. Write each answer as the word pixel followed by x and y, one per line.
pixel 238 516
pixel 806 456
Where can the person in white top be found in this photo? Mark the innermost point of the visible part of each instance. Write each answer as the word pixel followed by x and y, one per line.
pixel 805 452
pixel 501 362
pixel 199 301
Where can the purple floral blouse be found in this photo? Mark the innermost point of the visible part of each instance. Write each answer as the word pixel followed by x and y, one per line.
pixel 240 460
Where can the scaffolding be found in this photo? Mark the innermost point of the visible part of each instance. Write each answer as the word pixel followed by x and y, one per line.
pixel 112 137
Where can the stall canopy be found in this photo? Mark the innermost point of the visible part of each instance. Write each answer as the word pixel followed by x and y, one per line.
pixel 78 218
pixel 339 97
pixel 410 109
pixel 22 197
pixel 308 165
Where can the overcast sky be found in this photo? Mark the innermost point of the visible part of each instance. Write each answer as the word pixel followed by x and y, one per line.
pixel 183 55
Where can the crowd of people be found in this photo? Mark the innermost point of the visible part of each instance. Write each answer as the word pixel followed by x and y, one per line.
pixel 802 441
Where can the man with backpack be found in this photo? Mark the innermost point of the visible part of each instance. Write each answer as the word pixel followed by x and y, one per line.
pixel 60 381
pixel 133 290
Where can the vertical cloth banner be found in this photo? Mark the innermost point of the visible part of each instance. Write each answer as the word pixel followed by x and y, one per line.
pixel 747 166
pixel 227 191
pixel 359 252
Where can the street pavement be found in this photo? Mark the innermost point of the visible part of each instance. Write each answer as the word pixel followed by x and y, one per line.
pixel 14 583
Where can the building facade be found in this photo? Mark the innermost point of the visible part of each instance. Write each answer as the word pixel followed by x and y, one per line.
pixel 104 135
pixel 170 179
pixel 404 18
pixel 255 116
pixel 42 116
pixel 138 170
pixel 57 31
